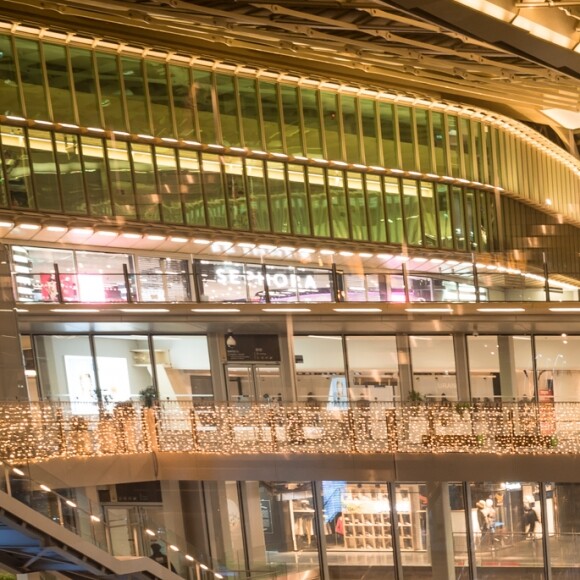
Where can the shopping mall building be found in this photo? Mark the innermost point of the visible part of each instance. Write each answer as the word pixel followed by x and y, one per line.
pixel 290 289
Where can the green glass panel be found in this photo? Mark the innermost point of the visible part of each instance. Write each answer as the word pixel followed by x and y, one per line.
pixel 476 131
pixel 298 201
pixel 202 81
pixel 368 111
pixel 85 86
pixel 439 143
pixel 311 115
pixel 135 95
pixel 350 126
pixel 423 140
pixel 412 213
pixel 444 215
pixel 214 190
pixel 483 222
pixel 278 198
pixel 292 130
pixel 169 185
pixel 110 85
pixel 44 172
pixel 338 206
pixel 9 97
pixel 3 177
pixel 71 175
pixel 271 117
pixel 357 206
pixel 95 173
pixel 375 208
pixel 57 74
pixel 465 139
pixel 490 169
pixel 236 192
pixel 493 225
pixel 406 137
pixel 249 113
pixel 331 130
pixel 471 220
pixel 228 109
pixel 191 187
pixel 146 194
pixel 182 94
pixel 32 78
pixel 16 165
pixel 318 201
pixel 121 179
pixel 257 195
pixel 159 99
pixel 429 214
pixel 458 218
pixel 390 155
pixel 453 139
pixel 394 211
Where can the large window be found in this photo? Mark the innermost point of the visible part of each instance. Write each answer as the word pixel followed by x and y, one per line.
pixel 320 371
pixel 433 361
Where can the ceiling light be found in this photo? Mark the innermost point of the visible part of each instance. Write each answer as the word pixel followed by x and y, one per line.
pixel 131 235
pixel 429 310
pixel 267 247
pixel 45 487
pixel 365 255
pixel 155 237
pixel 202 242
pixel 189 558
pixel 327 252
pixel 286 310
pixel 178 240
pixel 148 310
pixel 6 224
pixel 56 228
pixel 564 309
pixel 385 256
pixel 355 310
pixel 107 233
pixel 215 310
pixel 29 226
pixel 246 245
pixel 498 309
pixel 346 254
pixel 150 532
pixel 173 547
pixel 75 310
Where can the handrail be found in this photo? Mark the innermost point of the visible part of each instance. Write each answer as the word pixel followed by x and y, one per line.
pixel 36 431
pixel 90 525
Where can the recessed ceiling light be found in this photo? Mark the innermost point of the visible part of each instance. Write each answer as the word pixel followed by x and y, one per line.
pixel 178 240
pixel 286 310
pixel 152 310
pixel 28 226
pixel 6 224
pixel 428 310
pixel 215 310
pixel 155 237
pixel 355 310
pixel 499 309
pixel 75 310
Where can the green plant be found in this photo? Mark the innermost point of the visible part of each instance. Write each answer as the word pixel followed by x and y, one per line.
pixel 553 441
pixel 461 408
pixel 148 396
pixel 415 397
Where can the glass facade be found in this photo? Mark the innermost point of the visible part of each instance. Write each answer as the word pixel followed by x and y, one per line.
pixel 133 177
pixel 332 371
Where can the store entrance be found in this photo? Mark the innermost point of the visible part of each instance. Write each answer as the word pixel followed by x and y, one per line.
pixel 251 382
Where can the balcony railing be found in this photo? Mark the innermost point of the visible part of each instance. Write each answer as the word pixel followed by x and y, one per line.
pixel 36 431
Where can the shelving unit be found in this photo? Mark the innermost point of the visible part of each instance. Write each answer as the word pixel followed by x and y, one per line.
pixel 367 520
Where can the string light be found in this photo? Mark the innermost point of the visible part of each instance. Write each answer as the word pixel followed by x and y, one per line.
pixel 128 428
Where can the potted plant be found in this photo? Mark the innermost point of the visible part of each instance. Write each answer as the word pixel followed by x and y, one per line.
pixel 148 396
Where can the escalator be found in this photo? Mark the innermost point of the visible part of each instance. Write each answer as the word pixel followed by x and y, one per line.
pixel 32 542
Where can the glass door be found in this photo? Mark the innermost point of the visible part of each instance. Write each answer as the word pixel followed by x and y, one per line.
pixel 253 382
